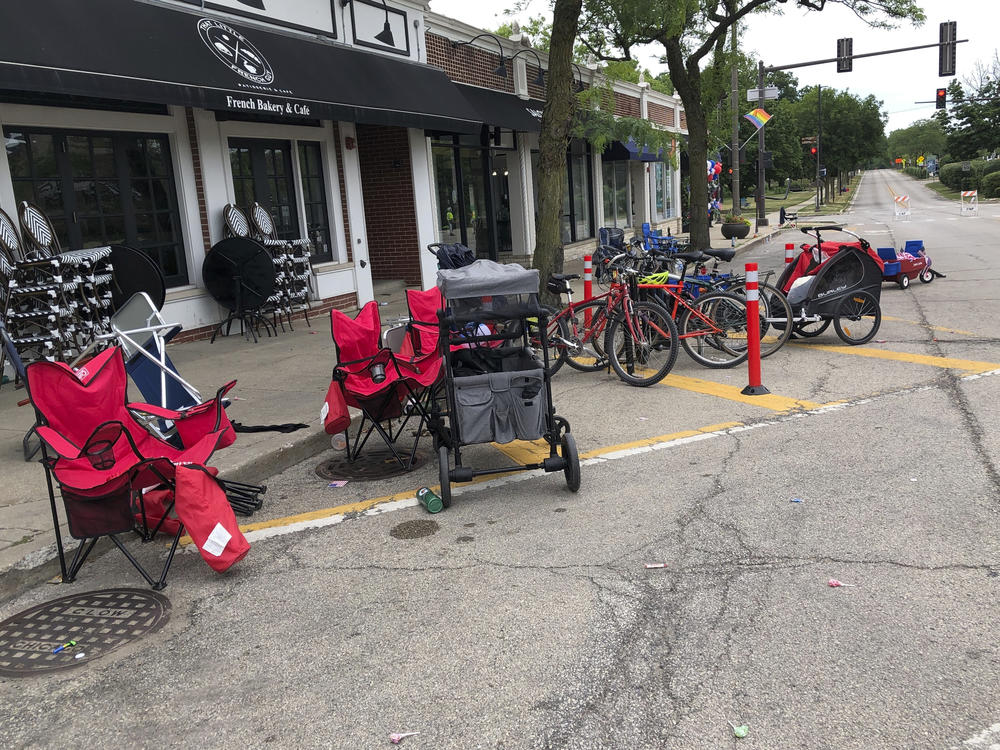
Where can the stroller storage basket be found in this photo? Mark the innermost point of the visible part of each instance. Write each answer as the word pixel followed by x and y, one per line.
pixel 500 406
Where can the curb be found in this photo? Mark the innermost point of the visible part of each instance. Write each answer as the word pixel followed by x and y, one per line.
pixel 42 565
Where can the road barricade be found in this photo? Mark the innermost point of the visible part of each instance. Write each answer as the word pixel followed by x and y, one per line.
pixel 901 207
pixel 969 203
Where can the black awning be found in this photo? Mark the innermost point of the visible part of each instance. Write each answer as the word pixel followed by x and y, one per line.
pixel 504 110
pixel 129 50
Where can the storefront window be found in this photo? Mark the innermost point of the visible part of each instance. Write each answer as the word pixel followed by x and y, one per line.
pixel 103 189
pixel 616 187
pixel 446 184
pixel 314 199
pixel 577 220
pixel 662 179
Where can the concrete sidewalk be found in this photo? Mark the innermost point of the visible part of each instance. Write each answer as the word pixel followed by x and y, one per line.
pixel 279 380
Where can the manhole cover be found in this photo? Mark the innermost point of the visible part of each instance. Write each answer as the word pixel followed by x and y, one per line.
pixel 370 465
pixel 413 529
pixel 99 622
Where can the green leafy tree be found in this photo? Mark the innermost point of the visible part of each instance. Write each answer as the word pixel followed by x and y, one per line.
pixel 972 120
pixel 688 31
pixel 922 138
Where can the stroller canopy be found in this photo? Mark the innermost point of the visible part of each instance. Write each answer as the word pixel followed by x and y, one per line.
pixel 485 277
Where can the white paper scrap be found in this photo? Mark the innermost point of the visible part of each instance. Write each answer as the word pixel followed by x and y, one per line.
pixel 217 540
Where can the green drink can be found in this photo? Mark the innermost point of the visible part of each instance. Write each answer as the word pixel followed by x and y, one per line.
pixel 431 502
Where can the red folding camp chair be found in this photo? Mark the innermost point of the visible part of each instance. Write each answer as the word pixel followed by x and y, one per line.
pixel 103 460
pixel 384 386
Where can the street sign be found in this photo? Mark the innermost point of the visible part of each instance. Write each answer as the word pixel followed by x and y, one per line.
pixel 770 92
pixel 845 52
pixel 810 139
pixel 822 171
pixel 966 166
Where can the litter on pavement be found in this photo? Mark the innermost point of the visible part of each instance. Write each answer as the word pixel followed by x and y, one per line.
pixel 835 584
pixel 396 737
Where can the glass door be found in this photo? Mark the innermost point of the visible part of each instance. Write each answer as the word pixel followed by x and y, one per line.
pixel 262 172
pixel 477 224
pixel 103 189
pixel 500 184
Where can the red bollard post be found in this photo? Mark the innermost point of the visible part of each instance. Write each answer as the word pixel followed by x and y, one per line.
pixel 789 252
pixel 588 290
pixel 755 388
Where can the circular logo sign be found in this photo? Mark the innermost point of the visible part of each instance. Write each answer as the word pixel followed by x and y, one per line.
pixel 236 51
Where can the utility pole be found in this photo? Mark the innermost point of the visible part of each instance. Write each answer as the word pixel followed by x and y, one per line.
pixel 761 213
pixel 735 160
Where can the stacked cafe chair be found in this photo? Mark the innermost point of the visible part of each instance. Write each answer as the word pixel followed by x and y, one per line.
pixel 295 281
pixel 237 225
pixel 38 317
pixel 88 269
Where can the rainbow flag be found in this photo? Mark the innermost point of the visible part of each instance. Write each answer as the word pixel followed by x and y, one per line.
pixel 758 117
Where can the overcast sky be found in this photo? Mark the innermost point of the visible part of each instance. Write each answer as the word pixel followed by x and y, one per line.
pixel 898 80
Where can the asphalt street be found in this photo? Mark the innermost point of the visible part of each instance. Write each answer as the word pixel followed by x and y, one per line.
pixel 525 616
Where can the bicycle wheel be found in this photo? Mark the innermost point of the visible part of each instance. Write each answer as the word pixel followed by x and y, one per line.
pixel 556 337
pixel 858 318
pixel 646 344
pixel 775 326
pixel 713 330
pixel 775 316
pixel 584 350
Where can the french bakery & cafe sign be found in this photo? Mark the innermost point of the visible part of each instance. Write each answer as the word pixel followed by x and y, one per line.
pixel 267 106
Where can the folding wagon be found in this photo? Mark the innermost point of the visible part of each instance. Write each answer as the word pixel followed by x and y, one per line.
pixel 496 386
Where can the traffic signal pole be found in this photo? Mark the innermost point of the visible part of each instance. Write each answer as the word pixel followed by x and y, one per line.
pixel 946 67
pixel 819 140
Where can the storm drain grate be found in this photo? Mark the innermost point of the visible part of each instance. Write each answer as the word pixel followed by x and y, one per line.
pixel 370 465
pixel 99 622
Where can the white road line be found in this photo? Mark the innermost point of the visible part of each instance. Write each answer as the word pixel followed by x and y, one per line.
pixel 988 739
pixel 521 476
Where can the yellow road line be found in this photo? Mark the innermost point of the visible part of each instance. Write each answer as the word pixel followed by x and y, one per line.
pixel 658 439
pixel 930 327
pixel 525 451
pixel 732 393
pixel 949 363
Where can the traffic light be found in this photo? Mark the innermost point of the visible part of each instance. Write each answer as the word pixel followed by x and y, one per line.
pixel 942 98
pixel 946 49
pixel 812 151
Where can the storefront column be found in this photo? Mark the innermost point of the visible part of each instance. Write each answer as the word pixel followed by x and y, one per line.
pixel 522 209
pixel 639 172
pixel 424 204
pixel 7 200
pixel 597 167
pixel 356 213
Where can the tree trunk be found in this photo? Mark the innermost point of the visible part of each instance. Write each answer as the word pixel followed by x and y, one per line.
pixel 687 82
pixel 557 117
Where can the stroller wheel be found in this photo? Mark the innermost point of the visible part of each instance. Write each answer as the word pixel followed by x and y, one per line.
pixel 443 476
pixel 808 330
pixel 572 469
pixel 858 318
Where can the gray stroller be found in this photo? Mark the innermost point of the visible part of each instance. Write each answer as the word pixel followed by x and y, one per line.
pixel 496 387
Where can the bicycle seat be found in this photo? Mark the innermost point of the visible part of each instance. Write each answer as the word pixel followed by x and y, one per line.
pixel 691 256
pixel 723 254
pixel 564 276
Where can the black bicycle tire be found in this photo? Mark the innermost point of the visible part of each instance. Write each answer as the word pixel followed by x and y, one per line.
pixel 852 300
pixel 738 355
pixel 648 308
pixel 599 321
